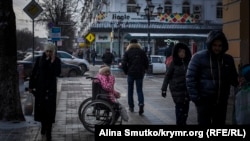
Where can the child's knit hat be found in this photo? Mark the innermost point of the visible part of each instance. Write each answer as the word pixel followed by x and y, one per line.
pixel 104 69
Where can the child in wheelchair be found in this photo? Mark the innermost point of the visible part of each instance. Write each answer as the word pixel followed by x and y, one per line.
pixel 107 81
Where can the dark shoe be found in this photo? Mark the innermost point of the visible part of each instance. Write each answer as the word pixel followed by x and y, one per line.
pixel 141 111
pixel 131 109
pixel 48 136
pixel 43 130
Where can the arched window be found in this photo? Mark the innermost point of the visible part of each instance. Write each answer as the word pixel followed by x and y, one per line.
pixel 131 6
pixel 219 10
pixel 168 7
pixel 185 8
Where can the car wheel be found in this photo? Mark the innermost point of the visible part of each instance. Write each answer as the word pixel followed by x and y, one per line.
pixel 84 68
pixel 72 73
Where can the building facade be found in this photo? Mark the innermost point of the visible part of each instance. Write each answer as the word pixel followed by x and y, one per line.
pixel 114 23
pixel 236 27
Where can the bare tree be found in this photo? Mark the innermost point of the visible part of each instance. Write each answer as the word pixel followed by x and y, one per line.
pixel 25 39
pixel 56 11
pixel 10 104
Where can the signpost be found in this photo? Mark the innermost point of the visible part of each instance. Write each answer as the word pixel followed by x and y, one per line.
pixel 33 9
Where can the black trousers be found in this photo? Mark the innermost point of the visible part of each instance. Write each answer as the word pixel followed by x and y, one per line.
pixel 181 112
pixel 211 113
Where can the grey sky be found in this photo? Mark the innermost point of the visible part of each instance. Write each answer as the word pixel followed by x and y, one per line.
pixel 24 21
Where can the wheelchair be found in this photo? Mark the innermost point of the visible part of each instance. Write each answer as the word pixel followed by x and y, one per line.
pixel 98 110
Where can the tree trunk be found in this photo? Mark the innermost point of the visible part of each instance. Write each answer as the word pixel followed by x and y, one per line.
pixel 10 104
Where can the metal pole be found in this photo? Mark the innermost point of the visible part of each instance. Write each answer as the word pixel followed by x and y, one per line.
pixel 149 51
pixel 119 42
pixel 112 38
pixel 33 40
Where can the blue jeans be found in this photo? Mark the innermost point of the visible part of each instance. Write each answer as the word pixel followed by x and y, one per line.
pixel 139 85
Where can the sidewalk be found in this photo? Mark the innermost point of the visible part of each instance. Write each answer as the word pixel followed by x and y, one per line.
pixel 72 91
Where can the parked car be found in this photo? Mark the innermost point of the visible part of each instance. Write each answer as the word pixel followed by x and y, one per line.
pixel 67 70
pixel 158 64
pixel 70 59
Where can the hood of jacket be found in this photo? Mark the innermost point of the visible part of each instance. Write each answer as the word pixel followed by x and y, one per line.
pixel 133 45
pixel 217 35
pixel 176 58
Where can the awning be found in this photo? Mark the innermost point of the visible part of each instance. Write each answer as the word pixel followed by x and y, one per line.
pixel 164 35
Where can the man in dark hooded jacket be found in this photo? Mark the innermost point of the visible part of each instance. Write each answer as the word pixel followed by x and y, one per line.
pixel 210 74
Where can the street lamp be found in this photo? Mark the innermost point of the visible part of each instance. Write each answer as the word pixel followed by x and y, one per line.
pixel 119 26
pixel 148 13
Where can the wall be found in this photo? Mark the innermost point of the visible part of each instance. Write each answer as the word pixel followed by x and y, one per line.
pixel 236 28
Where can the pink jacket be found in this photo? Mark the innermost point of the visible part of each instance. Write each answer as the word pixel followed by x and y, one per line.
pixel 107 83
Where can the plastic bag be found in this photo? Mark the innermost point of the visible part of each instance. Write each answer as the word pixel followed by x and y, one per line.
pixel 28 105
pixel 242 105
pixel 124 113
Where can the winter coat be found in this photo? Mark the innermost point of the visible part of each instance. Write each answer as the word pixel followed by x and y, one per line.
pixel 209 76
pixel 44 81
pixel 135 61
pixel 175 77
pixel 107 83
pixel 108 58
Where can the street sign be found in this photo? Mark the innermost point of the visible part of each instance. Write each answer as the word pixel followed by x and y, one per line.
pixel 33 9
pixel 56 33
pixel 90 37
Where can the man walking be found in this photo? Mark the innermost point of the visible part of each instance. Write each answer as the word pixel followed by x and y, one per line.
pixel 134 64
pixel 210 74
pixel 108 58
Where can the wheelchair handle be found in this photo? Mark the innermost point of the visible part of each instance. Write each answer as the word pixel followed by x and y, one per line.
pixel 92 78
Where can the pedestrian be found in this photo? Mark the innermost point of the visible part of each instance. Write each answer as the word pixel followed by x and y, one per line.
pixel 107 81
pixel 108 58
pixel 169 49
pixel 93 56
pixel 88 54
pixel 210 74
pixel 43 84
pixel 175 78
pixel 134 64
pixel 80 54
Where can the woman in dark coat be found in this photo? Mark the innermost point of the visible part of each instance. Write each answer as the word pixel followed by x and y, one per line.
pixel 175 77
pixel 43 84
pixel 210 74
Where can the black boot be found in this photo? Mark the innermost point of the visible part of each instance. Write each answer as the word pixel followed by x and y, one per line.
pixel 48 131
pixel 141 111
pixel 43 129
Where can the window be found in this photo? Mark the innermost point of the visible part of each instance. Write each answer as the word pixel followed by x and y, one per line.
pixel 168 7
pixel 185 8
pixel 219 10
pixel 131 6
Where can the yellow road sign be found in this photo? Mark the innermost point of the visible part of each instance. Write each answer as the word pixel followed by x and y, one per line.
pixel 90 37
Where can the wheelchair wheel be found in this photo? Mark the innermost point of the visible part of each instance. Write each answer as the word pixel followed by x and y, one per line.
pixel 97 112
pixel 82 105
